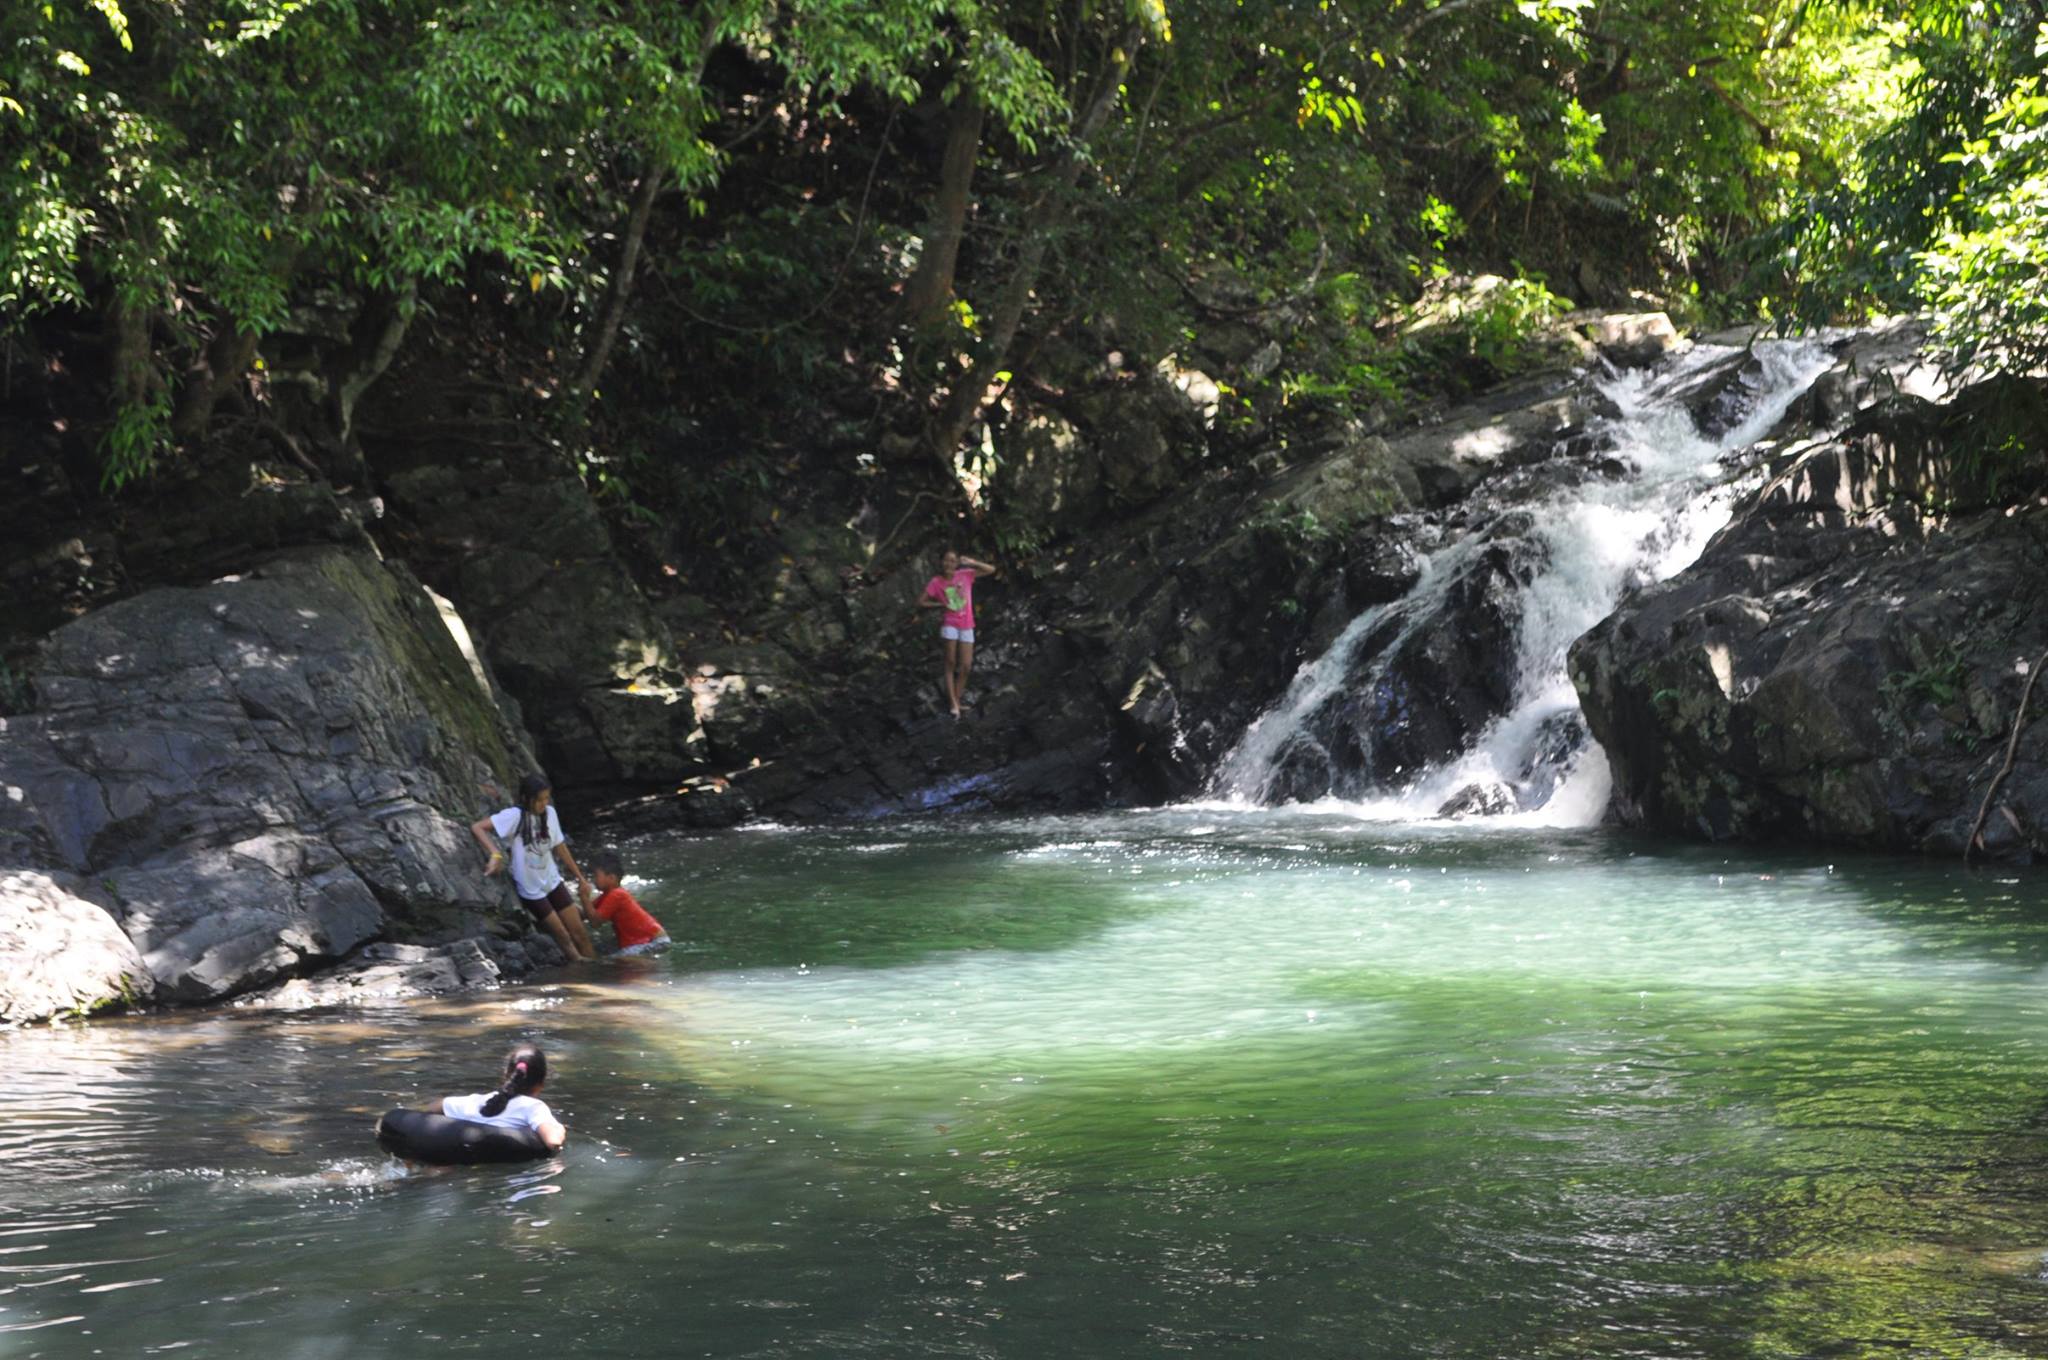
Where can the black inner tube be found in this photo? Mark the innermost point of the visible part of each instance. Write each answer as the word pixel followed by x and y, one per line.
pixel 422 1137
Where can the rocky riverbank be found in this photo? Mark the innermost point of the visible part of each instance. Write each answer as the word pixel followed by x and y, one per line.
pixel 243 769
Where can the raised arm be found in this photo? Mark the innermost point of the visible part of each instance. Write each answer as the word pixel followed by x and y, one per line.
pixel 979 568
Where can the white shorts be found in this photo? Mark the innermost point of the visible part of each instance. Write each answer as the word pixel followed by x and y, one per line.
pixel 653 946
pixel 952 634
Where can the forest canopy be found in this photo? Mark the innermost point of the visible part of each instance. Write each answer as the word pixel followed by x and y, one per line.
pixel 956 183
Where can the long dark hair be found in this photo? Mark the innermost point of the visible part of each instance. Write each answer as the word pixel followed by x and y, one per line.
pixel 525 1068
pixel 531 829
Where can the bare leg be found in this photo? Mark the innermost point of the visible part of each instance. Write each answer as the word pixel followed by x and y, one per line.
pixel 963 658
pixel 574 919
pixel 560 931
pixel 950 650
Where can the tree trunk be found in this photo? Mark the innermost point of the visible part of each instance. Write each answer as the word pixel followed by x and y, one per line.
pixel 931 286
pixel 228 355
pixel 135 376
pixel 224 360
pixel 370 356
pixel 620 286
pixel 963 404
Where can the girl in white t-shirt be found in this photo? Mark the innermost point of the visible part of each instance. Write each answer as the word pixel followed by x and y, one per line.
pixel 535 836
pixel 512 1105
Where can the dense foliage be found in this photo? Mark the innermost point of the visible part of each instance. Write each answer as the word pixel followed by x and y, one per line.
pixel 941 196
pixel 1946 206
pixel 191 171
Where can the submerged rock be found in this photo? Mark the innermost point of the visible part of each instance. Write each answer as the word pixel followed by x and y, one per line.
pixel 388 972
pixel 1479 800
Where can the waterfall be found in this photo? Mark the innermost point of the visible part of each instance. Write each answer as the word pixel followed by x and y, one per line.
pixel 1548 569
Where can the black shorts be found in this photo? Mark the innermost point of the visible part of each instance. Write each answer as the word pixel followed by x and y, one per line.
pixel 558 899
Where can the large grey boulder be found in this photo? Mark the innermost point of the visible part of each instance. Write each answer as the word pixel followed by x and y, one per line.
pixel 1841 663
pixel 61 954
pixel 262 773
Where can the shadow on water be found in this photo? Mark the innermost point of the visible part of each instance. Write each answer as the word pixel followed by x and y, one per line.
pixel 847 897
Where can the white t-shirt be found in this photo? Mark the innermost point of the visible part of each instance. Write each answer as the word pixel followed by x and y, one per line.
pixel 520 1112
pixel 535 873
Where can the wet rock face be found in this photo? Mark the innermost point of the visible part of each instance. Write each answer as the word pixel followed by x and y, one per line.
pixel 1721 393
pixel 1558 741
pixel 1423 683
pixel 1524 424
pixel 1839 664
pixel 262 774
pixel 1489 799
pixel 1380 568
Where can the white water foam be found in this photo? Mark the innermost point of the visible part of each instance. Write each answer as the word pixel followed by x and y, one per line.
pixel 1597 540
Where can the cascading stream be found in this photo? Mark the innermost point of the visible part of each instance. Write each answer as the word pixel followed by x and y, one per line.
pixel 1562 562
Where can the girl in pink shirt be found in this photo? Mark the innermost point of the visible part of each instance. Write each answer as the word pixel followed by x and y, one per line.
pixel 953 591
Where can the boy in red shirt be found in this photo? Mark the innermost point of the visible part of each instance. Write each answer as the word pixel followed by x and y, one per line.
pixel 638 932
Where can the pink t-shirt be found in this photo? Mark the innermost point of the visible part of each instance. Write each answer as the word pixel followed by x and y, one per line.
pixel 957 591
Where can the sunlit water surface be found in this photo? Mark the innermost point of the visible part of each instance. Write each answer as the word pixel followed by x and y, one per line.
pixel 1212 1081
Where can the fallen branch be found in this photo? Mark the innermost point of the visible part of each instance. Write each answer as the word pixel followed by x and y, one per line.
pixel 288 442
pixel 2012 747
pixel 876 555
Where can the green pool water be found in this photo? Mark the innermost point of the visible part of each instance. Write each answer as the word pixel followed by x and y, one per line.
pixel 1204 1081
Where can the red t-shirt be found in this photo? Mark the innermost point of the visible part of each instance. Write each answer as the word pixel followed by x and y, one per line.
pixel 628 917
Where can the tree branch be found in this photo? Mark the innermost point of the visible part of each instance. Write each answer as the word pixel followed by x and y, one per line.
pixel 2012 746
pixel 1765 133
pixel 382 350
pixel 1430 16
pixel 964 403
pixel 619 287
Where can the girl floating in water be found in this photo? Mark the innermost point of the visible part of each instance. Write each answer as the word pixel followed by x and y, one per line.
pixel 505 1125
pixel 512 1105
pixel 535 835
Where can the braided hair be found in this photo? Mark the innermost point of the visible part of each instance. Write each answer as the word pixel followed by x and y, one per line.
pixel 533 828
pixel 525 1068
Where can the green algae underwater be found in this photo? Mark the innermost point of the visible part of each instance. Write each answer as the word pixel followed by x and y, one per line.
pixel 1204 1080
